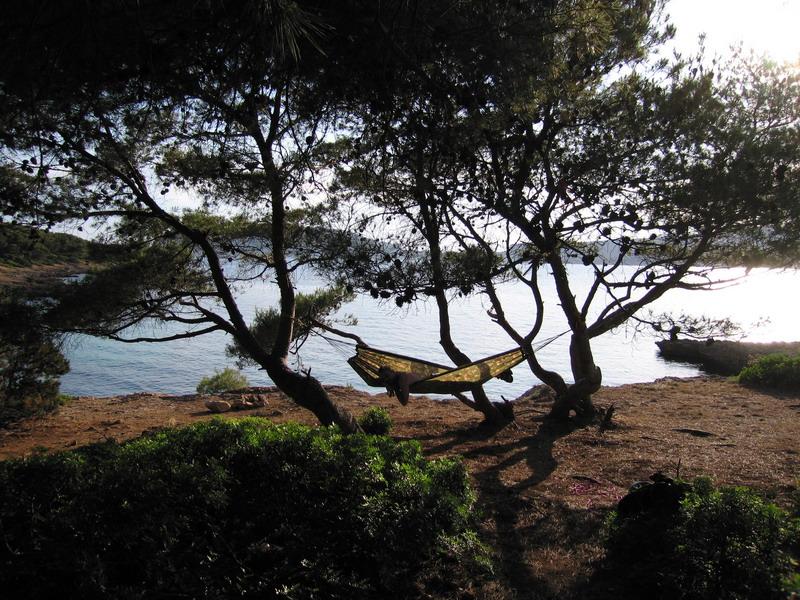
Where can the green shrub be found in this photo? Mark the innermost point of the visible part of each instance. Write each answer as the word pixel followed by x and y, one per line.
pixel 222 381
pixel 228 509
pixel 720 543
pixel 773 370
pixel 376 421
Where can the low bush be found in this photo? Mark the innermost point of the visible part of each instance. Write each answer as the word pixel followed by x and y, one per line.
pixel 222 381
pixel 375 421
pixel 716 543
pixel 774 371
pixel 235 509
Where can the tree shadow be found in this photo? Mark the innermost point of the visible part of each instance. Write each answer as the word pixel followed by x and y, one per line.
pixel 454 438
pixel 512 505
pixel 517 520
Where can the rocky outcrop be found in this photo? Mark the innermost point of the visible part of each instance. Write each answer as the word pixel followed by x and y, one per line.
pixel 721 356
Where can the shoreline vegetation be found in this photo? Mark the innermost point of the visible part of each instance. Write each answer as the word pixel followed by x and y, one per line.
pixel 36 278
pixel 33 261
pixel 29 247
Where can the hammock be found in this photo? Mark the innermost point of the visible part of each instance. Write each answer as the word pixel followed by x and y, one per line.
pixel 432 378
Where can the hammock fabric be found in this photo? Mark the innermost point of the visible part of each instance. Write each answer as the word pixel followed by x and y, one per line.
pixel 432 378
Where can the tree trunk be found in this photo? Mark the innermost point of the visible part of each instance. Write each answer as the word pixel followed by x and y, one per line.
pixel 491 413
pixel 578 396
pixel 481 401
pixel 308 392
pixel 482 404
pixel 303 389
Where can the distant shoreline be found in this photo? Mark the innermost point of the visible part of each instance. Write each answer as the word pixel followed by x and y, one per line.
pixel 42 276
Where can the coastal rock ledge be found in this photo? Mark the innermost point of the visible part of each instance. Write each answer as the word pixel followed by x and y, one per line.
pixel 722 356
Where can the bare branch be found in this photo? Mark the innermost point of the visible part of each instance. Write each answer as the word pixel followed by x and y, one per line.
pixel 339 332
pixel 170 338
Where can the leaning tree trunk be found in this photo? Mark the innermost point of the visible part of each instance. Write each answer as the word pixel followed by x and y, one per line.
pixel 308 392
pixel 304 390
pixel 481 402
pixel 301 388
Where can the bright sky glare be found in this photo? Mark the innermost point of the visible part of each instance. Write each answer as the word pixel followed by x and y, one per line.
pixel 765 26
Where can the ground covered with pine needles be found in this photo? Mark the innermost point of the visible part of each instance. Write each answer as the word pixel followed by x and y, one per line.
pixel 544 488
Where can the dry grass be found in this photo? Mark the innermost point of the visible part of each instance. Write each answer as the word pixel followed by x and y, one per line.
pixel 544 489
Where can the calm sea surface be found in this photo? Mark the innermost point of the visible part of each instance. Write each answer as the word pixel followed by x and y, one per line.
pixel 102 367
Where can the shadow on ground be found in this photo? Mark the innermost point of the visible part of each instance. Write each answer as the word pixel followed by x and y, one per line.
pixel 527 531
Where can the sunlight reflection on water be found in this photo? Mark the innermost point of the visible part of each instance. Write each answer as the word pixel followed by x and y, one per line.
pixel 103 367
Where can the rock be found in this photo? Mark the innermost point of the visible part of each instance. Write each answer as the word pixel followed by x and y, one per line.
pixel 218 406
pixel 256 400
pixel 248 401
pixel 663 497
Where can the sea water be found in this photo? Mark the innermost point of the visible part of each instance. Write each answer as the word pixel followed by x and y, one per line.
pixel 103 367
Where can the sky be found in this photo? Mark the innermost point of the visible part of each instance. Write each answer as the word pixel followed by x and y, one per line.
pixel 766 26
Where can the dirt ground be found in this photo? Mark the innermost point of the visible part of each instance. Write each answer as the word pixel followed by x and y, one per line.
pixel 543 489
pixel 39 277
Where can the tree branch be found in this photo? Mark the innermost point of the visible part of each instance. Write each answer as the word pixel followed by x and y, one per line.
pixel 171 338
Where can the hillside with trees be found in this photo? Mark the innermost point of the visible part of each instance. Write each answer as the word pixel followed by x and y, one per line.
pixel 24 246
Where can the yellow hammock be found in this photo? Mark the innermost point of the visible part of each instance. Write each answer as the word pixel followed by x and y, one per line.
pixel 424 377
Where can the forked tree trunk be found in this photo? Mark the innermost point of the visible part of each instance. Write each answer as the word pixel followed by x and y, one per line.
pixel 303 389
pixel 481 402
pixel 577 397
